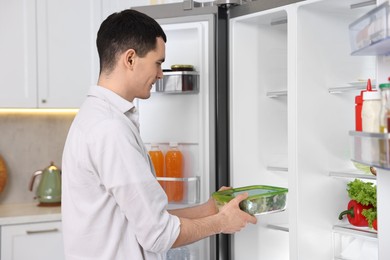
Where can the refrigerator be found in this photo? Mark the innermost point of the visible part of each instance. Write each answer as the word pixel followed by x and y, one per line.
pixel 274 104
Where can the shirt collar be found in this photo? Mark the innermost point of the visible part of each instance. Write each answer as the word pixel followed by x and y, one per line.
pixel 111 97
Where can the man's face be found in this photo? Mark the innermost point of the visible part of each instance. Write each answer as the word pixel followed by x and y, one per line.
pixel 148 69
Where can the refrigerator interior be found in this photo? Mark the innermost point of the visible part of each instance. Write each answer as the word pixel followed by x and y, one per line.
pixel 293 84
pixel 258 124
pixel 186 118
pixel 324 114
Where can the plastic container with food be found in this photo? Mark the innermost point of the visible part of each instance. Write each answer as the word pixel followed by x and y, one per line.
pixel 261 199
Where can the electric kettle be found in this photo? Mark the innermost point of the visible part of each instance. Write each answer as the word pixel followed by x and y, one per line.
pixel 49 189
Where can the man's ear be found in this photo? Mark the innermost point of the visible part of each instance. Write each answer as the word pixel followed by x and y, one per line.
pixel 129 58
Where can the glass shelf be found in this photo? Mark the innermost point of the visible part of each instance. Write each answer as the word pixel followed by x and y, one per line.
pixel 279 227
pixel 277 169
pixel 350 241
pixel 352 86
pixel 352 174
pixel 348 229
pixel 275 94
pixel 191 187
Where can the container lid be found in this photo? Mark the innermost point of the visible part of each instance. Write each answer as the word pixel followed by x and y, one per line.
pixel 255 191
pixel 182 67
pixel 384 85
pixel 371 95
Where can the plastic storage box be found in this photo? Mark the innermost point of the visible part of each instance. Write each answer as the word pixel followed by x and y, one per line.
pixel 370 33
pixel 261 199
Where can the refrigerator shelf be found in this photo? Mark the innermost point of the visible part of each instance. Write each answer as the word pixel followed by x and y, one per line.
pixel 279 227
pixel 371 149
pixel 191 187
pixel 277 168
pixel 363 232
pixel 350 242
pixel 353 86
pixel 352 174
pixel 276 94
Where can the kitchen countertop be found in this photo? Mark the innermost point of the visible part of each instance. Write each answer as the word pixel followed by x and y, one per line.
pixel 28 213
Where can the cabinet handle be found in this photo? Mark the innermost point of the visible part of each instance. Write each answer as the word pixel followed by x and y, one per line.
pixel 31 232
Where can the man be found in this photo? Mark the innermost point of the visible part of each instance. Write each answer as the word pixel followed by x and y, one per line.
pixel 112 205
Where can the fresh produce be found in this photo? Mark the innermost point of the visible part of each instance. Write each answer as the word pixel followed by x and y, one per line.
pixel 264 204
pixel 362 207
pixel 375 224
pixel 3 174
pixel 363 192
pixel 354 214
pixel 371 216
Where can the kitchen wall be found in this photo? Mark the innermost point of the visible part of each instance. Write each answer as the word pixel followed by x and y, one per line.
pixel 29 141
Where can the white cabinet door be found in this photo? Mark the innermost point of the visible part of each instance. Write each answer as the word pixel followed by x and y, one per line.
pixel 18 54
pixel 41 241
pixel 67 55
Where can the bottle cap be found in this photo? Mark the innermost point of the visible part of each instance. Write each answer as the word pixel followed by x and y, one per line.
pixel 384 85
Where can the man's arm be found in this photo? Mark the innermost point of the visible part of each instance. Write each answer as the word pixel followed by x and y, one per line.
pixel 228 220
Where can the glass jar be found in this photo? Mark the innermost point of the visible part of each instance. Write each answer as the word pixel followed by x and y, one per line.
pixel 385 107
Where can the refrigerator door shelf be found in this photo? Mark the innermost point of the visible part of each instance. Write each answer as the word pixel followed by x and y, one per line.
pixel 371 149
pixel 178 82
pixel 190 186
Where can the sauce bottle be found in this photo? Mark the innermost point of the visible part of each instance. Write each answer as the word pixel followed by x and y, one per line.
pixel 174 169
pixel 157 157
pixel 370 111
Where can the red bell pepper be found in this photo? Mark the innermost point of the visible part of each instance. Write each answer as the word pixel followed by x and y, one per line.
pixel 354 214
pixel 375 224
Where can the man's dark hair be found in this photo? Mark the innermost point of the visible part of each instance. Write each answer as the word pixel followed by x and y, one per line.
pixel 125 30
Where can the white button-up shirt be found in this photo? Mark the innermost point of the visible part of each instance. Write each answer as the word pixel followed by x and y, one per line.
pixel 112 205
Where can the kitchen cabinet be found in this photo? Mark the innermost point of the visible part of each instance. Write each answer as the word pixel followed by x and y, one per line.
pixel 49 54
pixel 30 232
pixel 32 241
pixel 18 54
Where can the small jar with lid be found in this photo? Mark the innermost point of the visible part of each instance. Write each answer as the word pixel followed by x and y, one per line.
pixel 384 120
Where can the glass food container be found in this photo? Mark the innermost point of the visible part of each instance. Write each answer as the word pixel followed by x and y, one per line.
pixel 261 199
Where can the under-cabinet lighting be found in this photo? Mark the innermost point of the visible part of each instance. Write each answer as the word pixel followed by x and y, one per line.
pixel 35 111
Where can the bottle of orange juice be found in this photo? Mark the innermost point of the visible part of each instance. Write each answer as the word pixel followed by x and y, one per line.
pixel 174 168
pixel 157 157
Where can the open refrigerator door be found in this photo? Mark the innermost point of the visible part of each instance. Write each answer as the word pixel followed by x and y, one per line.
pixel 181 110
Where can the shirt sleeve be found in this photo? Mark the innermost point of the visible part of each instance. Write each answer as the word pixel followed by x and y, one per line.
pixel 126 175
